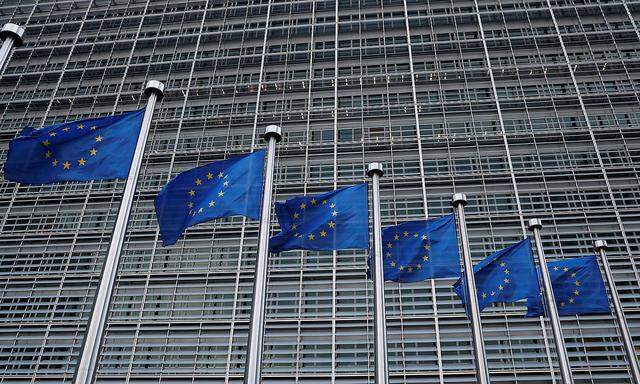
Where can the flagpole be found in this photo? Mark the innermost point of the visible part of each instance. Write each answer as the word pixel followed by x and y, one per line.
pixel 459 201
pixel 375 171
pixel 253 364
pixel 12 35
pixel 95 329
pixel 600 247
pixel 563 359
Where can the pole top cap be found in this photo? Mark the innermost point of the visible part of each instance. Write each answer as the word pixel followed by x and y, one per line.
pixel 274 131
pixel 459 198
pixel 600 245
pixel 535 224
pixel 154 86
pixel 375 169
pixel 12 30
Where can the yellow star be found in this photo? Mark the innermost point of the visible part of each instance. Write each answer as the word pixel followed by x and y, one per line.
pixel 500 287
pixel 393 263
pixel 493 293
pixel 212 203
pixel 503 264
pixel 578 283
pixel 323 233
pixel 396 237
pixel 410 269
pixel 312 237
pixel 401 267
pixel 332 205
pixel 226 183
pixel 200 210
pixel 294 226
pixel 324 202
pixel 556 268
pixel 314 202
pixel 48 154
pixel 296 215
pixel 415 235
pixel 93 151
pixel 209 175
pixel 565 269
pixel 54 162
pixel 562 304
pixel 331 224
pixel 389 245
pixel 80 126
pixel 424 237
pixel 506 281
pixel 53 134
pixel 425 258
pixel 94 127
pixel 46 143
pixel 99 138
pixel 576 293
pixel 198 182
pixel 419 266
pixel 82 161
pixel 427 247
pixel 506 271
pixel 303 206
pixel 221 175
pixel 66 165
pixel 405 234
pixel 573 275
pixel 388 254
pixel 190 205
pixel 334 213
pixel 192 193
pixel 484 295
pixel 571 300
pixel 221 193
pixel 66 129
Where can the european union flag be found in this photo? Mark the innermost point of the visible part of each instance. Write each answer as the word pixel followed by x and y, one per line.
pixel 335 220
pixel 420 250
pixel 91 149
pixel 577 287
pixel 223 188
pixel 506 276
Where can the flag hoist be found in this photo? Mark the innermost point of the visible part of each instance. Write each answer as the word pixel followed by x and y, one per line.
pixel 563 360
pixel 458 201
pixel 253 365
pixel 95 329
pixel 374 170
pixel 600 247
pixel 12 35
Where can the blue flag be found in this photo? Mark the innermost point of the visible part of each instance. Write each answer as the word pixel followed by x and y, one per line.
pixel 577 287
pixel 91 149
pixel 421 250
pixel 223 188
pixel 335 220
pixel 506 276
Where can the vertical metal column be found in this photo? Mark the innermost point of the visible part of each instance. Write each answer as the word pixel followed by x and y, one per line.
pixel 374 171
pixel 95 329
pixel 563 359
pixel 253 364
pixel 458 201
pixel 12 35
pixel 600 247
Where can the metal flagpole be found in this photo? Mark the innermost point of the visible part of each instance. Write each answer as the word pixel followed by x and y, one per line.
pixel 93 339
pixel 12 35
pixel 253 365
pixel 600 247
pixel 459 201
pixel 374 170
pixel 563 359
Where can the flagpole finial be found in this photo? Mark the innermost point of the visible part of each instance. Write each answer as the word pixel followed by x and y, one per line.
pixel 274 131
pixel 535 224
pixel 600 245
pixel 459 198
pixel 154 86
pixel 375 169
pixel 12 30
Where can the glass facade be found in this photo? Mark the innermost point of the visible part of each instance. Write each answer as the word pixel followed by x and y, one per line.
pixel 529 107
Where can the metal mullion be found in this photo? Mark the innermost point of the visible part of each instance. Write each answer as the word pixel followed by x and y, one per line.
pixel 593 140
pixel 334 253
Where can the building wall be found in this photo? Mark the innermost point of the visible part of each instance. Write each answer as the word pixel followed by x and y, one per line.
pixel 529 107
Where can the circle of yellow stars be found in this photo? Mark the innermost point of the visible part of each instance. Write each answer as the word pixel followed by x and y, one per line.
pixel 411 267
pixel 323 231
pixel 502 285
pixel 201 181
pixel 68 164
pixel 576 292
